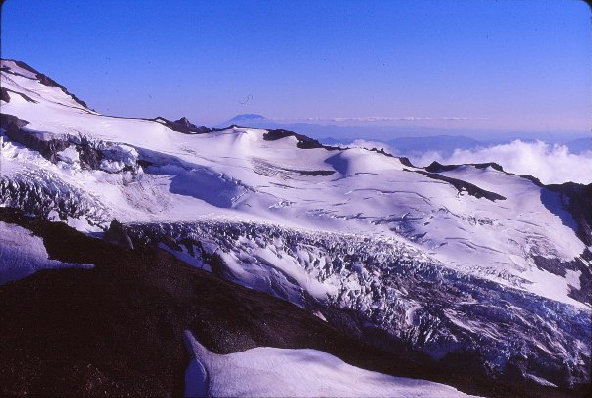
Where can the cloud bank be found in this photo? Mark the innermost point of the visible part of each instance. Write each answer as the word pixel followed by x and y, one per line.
pixel 550 163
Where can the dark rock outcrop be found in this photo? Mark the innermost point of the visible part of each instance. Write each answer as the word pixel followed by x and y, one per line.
pixel 304 142
pixel 90 158
pixel 6 120
pixel 493 165
pixel 4 94
pixel 117 235
pixel 436 167
pixel 36 140
pixel 464 186
pixel 404 160
pixel 183 125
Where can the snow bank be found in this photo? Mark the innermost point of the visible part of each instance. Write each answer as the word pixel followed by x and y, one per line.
pixel 273 372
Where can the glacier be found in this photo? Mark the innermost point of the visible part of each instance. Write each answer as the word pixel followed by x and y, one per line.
pixel 448 260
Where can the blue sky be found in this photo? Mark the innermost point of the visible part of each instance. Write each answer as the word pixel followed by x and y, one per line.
pixel 506 65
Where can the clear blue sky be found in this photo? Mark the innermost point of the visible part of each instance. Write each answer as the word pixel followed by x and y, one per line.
pixel 519 65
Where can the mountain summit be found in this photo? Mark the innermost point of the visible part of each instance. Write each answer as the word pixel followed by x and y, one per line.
pixel 246 117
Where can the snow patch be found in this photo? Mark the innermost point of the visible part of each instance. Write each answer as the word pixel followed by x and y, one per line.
pixel 69 155
pixel 274 372
pixel 573 278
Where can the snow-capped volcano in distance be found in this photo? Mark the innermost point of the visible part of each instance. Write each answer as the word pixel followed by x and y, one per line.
pixel 246 117
pixel 457 262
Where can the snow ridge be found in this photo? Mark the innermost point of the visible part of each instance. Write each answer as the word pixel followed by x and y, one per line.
pixel 273 372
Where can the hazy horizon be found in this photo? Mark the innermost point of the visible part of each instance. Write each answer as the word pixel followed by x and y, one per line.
pixel 464 65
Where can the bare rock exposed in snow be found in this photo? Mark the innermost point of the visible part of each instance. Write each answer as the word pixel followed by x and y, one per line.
pixel 117 235
pixel 183 125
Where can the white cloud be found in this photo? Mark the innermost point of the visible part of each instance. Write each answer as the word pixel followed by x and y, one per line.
pixel 550 163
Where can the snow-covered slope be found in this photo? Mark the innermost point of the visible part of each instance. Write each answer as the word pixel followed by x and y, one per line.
pixel 444 259
pixel 273 372
pixel 238 173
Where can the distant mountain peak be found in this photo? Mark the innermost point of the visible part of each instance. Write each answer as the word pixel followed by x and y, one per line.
pixel 246 117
